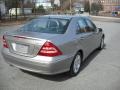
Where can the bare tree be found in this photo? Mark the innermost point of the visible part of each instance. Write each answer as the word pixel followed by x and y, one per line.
pixel 12 4
pixel 52 4
pixel 22 7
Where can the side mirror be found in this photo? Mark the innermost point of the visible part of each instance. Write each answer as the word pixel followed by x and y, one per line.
pixel 100 29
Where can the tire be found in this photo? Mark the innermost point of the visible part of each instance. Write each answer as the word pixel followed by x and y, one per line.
pixel 101 44
pixel 76 65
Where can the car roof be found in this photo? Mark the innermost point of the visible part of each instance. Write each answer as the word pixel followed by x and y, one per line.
pixel 63 16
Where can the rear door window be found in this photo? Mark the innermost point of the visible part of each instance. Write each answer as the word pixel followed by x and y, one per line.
pixel 90 26
pixel 82 24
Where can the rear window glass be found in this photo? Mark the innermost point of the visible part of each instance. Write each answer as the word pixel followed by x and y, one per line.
pixel 53 26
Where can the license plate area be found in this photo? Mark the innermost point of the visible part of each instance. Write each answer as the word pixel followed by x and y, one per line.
pixel 20 48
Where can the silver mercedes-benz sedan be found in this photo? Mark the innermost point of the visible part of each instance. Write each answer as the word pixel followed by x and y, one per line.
pixel 52 44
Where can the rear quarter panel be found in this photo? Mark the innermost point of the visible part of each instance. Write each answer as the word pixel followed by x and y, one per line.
pixel 67 42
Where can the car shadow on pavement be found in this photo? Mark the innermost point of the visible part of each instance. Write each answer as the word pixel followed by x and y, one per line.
pixel 66 76
pixel 91 57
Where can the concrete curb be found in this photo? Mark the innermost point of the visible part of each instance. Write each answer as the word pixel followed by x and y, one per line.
pixel 107 19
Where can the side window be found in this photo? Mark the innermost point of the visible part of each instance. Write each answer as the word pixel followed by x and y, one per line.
pixel 90 26
pixel 82 24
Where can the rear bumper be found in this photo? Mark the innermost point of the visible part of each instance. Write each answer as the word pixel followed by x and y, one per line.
pixel 39 64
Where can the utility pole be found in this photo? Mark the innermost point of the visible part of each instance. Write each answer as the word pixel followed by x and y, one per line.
pixel 0 15
pixel 70 7
pixel 16 2
pixel 22 6
pixel 90 7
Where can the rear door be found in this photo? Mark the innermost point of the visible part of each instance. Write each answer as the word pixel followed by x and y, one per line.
pixel 95 35
pixel 84 37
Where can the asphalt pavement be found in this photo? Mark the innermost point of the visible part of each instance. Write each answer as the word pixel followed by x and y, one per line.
pixel 100 71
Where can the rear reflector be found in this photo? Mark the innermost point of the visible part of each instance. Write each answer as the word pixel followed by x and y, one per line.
pixel 49 49
pixel 5 45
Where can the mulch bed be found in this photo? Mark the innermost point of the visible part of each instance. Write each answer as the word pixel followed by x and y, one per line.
pixel 12 22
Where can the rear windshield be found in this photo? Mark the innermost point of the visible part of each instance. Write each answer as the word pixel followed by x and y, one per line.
pixel 53 26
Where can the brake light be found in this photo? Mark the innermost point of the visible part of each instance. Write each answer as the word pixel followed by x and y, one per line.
pixel 49 49
pixel 5 45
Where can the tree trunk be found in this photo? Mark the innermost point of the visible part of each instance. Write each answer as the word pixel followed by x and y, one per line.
pixel 16 16
pixel 22 6
pixel 0 15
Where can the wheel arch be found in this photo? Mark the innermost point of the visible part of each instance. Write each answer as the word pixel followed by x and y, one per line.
pixel 82 53
pixel 103 36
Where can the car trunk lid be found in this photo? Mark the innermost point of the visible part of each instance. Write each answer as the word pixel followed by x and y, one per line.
pixel 26 44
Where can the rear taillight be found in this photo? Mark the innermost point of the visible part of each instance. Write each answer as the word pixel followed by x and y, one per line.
pixel 5 45
pixel 49 49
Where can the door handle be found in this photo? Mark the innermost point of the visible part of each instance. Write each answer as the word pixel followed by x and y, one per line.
pixel 82 38
pixel 90 34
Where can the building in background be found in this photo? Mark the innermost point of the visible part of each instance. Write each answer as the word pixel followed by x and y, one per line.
pixel 108 5
pixel 27 11
pixel 45 3
pixel 78 7
pixel 57 2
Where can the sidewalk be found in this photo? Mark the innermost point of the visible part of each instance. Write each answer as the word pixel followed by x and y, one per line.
pixel 96 18
pixel 107 19
pixel 101 18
